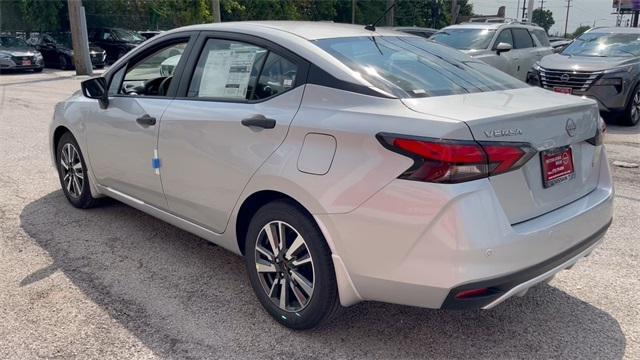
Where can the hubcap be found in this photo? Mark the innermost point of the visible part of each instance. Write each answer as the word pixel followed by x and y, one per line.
pixel 635 107
pixel 72 172
pixel 285 266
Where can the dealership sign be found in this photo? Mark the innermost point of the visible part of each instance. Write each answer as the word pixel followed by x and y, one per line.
pixel 627 4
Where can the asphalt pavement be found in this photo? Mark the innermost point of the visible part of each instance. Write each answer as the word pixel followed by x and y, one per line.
pixel 113 282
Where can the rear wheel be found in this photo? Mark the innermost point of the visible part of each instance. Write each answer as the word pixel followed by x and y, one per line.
pixel 63 62
pixel 290 266
pixel 72 172
pixel 632 113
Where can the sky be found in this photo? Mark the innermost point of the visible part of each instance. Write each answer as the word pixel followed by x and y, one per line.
pixel 582 12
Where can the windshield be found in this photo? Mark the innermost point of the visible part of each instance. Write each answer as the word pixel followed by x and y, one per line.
pixel 410 67
pixel 63 39
pixel 465 39
pixel 603 45
pixel 125 35
pixel 10 41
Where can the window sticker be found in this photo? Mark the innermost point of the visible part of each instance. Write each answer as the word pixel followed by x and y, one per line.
pixel 226 73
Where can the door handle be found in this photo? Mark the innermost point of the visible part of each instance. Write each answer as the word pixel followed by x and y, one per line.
pixel 259 120
pixel 146 120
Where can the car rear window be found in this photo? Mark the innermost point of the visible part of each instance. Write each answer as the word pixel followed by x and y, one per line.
pixel 411 67
pixel 465 39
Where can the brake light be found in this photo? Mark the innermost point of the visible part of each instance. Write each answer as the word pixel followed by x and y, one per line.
pixel 455 161
pixel 598 139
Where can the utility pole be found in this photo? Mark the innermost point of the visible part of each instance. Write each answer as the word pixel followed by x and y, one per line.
pixel 353 11
pixel 454 11
pixel 517 9
pixel 78 25
pixel 566 20
pixel 524 7
pixel 541 5
pixel 215 10
pixel 391 14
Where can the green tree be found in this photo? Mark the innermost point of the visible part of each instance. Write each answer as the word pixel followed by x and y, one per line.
pixel 44 15
pixel 580 30
pixel 543 18
pixel 466 9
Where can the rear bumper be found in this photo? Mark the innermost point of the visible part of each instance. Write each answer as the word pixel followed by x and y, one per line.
pixel 420 244
pixel 519 282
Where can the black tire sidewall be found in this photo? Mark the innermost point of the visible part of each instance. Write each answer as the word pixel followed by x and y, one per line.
pixel 85 199
pixel 627 119
pixel 62 60
pixel 324 296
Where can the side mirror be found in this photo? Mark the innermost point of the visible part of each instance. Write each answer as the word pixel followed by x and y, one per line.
pixel 96 88
pixel 503 47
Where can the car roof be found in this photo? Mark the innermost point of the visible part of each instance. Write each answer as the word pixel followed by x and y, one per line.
pixel 310 30
pixel 491 25
pixel 615 30
pixel 409 28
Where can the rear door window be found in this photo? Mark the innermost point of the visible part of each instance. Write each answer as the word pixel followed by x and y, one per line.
pixel 522 39
pixel 542 37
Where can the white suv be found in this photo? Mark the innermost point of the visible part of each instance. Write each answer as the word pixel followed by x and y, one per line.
pixel 511 47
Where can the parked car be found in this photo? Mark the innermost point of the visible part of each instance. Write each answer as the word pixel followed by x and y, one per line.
pixel 344 164
pixel 510 46
pixel 148 34
pixel 602 64
pixel 116 42
pixel 16 54
pixel 559 43
pixel 419 31
pixel 57 51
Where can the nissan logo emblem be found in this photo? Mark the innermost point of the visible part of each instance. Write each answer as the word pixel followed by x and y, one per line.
pixel 565 77
pixel 571 127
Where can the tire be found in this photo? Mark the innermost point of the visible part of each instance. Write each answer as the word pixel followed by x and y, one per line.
pixel 72 173
pixel 37 70
pixel 63 62
pixel 631 115
pixel 311 295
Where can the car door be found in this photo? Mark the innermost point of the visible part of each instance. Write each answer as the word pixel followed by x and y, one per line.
pixel 122 137
pixel 542 44
pixel 232 113
pixel 505 61
pixel 524 51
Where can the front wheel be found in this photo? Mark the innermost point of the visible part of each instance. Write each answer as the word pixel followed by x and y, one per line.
pixel 632 113
pixel 290 266
pixel 72 171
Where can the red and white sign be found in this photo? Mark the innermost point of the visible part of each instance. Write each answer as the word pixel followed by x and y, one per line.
pixel 557 167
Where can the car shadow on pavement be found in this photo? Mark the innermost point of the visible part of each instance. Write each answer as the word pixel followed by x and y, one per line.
pixel 184 297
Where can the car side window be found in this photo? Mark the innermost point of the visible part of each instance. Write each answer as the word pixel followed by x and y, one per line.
pixel 542 37
pixel 152 75
pixel 277 76
pixel 522 39
pixel 227 70
pixel 504 37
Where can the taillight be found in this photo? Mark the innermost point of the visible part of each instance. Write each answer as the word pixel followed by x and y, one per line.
pixel 455 161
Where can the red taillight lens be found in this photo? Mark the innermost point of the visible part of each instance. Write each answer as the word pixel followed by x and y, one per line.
pixel 454 161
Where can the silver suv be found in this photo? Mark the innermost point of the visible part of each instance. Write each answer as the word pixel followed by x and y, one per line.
pixel 602 64
pixel 511 47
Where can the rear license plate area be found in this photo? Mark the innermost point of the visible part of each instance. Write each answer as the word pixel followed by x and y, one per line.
pixel 557 166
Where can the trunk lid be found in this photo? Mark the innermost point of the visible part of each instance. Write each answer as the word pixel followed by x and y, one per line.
pixel 535 116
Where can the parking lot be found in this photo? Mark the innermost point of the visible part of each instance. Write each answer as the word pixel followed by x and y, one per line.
pixel 113 282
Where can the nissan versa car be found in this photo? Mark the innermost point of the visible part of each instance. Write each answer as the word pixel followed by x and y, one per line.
pixel 345 164
pixel 16 54
pixel 602 64
pixel 512 47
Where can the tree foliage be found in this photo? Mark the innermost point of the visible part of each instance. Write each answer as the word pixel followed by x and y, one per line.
pixel 580 30
pixel 52 15
pixel 543 18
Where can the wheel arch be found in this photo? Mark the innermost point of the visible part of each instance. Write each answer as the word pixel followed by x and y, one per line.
pixel 57 134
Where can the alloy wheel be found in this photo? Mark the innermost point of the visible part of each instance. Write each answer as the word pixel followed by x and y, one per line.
pixel 72 171
pixel 635 108
pixel 285 266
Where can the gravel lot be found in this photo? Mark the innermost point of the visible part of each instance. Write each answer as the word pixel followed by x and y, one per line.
pixel 112 282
